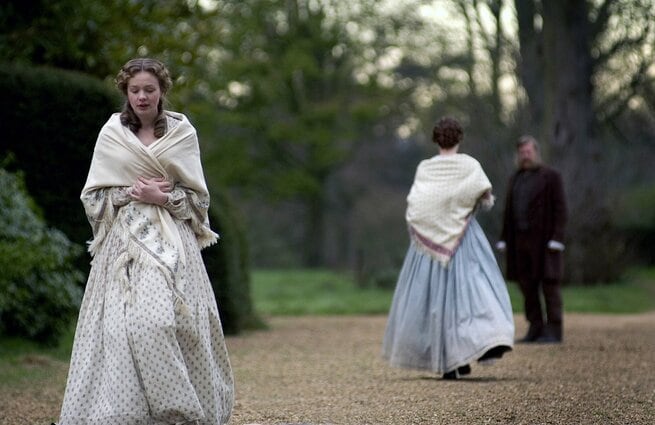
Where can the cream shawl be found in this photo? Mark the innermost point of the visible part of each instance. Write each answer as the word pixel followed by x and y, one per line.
pixel 150 233
pixel 441 201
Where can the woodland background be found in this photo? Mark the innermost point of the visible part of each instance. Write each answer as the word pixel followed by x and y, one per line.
pixel 313 114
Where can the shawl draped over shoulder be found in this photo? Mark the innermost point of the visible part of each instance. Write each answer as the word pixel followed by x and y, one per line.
pixel 440 204
pixel 149 231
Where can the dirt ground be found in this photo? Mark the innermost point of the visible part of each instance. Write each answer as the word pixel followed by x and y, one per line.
pixel 328 370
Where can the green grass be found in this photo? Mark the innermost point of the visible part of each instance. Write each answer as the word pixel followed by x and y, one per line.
pixel 635 294
pixel 299 292
pixel 25 363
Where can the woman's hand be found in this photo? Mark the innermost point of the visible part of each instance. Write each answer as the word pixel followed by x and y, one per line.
pixel 151 190
pixel 487 200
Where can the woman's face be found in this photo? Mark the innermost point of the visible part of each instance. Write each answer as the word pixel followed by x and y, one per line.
pixel 143 93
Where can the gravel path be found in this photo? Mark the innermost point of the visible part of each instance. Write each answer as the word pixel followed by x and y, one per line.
pixel 327 370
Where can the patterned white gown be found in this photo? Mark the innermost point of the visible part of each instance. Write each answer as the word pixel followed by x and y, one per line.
pixel 141 362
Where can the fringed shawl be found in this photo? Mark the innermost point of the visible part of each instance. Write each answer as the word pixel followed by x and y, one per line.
pixel 441 201
pixel 150 233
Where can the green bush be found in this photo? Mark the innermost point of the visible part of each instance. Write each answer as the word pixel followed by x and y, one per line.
pixel 39 286
pixel 634 213
pixel 50 123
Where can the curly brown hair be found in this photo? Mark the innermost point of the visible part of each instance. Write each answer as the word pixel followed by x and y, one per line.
pixel 129 70
pixel 447 133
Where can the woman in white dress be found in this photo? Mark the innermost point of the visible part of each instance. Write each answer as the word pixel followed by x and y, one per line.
pixel 451 305
pixel 149 346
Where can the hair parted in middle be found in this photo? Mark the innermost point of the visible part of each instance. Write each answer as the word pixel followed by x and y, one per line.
pixel 129 70
pixel 447 133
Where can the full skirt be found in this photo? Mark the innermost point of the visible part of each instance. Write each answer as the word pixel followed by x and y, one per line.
pixel 444 317
pixel 143 362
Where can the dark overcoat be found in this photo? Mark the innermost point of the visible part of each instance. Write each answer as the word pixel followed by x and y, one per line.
pixel 547 215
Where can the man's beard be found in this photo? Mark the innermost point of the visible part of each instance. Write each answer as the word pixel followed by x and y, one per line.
pixel 526 164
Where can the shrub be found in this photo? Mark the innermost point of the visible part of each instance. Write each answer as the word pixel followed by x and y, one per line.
pixel 634 213
pixel 381 238
pixel 39 286
pixel 228 267
pixel 50 122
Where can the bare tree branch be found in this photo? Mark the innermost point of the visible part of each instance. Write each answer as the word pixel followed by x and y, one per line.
pixel 469 29
pixel 617 104
pixel 600 23
pixel 627 43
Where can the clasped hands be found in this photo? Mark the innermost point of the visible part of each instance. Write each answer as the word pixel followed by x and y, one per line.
pixel 151 190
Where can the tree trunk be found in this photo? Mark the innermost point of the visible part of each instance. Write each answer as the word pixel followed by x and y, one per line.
pixel 495 48
pixel 531 64
pixel 568 139
pixel 470 64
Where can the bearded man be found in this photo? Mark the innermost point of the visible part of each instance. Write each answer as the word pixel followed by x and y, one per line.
pixel 533 239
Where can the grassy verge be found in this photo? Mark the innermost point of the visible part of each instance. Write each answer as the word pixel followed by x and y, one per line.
pixel 298 292
pixel 26 364
pixel 635 294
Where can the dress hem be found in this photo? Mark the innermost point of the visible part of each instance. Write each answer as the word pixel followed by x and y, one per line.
pixel 467 360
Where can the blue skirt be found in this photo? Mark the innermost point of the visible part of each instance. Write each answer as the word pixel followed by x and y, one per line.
pixel 444 317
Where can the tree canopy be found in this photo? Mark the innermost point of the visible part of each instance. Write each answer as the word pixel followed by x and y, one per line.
pixel 300 103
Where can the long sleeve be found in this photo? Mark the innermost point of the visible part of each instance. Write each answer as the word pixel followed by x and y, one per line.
pixel 101 207
pixel 120 196
pixel 178 204
pixel 186 204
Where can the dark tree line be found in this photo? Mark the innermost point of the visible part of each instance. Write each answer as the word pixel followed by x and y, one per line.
pixel 314 113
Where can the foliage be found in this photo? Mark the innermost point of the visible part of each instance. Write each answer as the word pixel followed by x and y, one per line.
pixel 288 93
pixel 289 106
pixel 228 267
pixel 635 209
pixel 623 34
pixel 381 238
pixel 634 212
pixel 51 120
pixel 39 292
pixel 100 36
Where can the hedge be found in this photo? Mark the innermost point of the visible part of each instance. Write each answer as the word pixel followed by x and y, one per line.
pixel 228 267
pixel 50 123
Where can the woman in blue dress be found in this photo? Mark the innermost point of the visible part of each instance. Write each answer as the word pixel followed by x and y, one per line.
pixel 451 306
